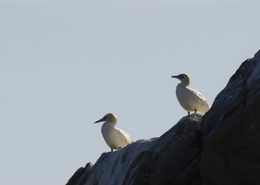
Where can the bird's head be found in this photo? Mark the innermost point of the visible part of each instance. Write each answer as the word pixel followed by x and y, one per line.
pixel 184 78
pixel 108 118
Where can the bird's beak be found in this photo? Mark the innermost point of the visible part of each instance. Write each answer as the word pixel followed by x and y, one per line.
pixel 102 119
pixel 175 77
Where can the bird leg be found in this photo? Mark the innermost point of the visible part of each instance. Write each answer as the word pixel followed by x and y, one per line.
pixel 188 113
pixel 111 149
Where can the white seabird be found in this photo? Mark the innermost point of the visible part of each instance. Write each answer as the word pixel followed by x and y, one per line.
pixel 190 99
pixel 115 138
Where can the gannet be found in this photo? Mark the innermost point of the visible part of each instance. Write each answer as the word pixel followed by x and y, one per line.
pixel 190 99
pixel 115 138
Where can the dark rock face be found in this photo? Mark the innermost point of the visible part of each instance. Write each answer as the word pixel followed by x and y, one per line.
pixel 81 175
pixel 172 158
pixel 221 148
pixel 231 131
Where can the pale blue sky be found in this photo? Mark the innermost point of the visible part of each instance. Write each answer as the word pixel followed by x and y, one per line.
pixel 64 64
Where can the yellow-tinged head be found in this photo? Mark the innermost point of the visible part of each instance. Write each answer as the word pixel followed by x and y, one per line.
pixel 109 118
pixel 184 78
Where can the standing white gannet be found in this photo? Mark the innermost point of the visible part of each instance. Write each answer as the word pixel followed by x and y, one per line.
pixel 190 99
pixel 115 137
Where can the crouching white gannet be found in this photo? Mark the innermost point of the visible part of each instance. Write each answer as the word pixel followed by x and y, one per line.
pixel 115 138
pixel 190 99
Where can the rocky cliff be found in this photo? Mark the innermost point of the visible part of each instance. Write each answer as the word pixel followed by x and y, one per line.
pixel 220 148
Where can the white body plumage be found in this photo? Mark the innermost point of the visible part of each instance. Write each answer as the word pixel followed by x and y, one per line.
pixel 115 137
pixel 190 99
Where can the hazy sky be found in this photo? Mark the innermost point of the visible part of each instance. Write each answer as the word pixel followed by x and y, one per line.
pixel 64 64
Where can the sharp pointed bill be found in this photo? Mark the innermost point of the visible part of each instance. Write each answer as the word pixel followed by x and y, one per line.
pixel 190 99
pixel 100 120
pixel 115 137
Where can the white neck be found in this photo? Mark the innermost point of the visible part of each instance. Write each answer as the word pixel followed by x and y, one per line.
pixel 183 84
pixel 112 124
